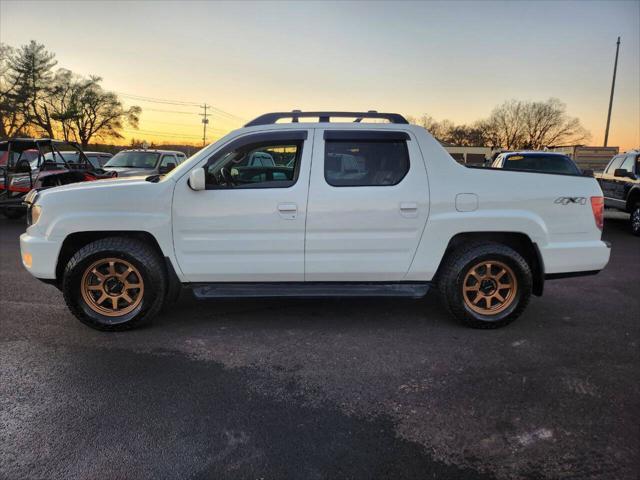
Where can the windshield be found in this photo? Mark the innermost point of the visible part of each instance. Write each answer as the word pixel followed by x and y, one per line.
pixel 541 163
pixel 133 160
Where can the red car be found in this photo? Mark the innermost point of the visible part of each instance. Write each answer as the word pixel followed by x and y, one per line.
pixel 27 163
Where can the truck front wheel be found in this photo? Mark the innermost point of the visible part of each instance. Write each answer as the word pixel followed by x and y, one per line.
pixel 115 283
pixel 485 285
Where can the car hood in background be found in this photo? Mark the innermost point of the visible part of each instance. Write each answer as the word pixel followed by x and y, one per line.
pixel 131 172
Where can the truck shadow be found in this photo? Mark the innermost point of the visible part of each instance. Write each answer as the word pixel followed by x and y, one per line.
pixel 296 312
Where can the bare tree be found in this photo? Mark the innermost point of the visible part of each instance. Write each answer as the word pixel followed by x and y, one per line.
pixel 85 111
pixel 61 102
pixel 514 125
pixel 520 124
pixel 466 136
pixel 505 124
pixel 546 124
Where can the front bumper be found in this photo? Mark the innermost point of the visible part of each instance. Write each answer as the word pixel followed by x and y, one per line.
pixel 39 256
pixel 574 257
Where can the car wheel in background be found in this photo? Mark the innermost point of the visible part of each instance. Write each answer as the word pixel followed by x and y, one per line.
pixel 114 284
pixel 485 285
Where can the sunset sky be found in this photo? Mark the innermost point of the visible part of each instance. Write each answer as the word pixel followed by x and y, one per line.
pixel 454 60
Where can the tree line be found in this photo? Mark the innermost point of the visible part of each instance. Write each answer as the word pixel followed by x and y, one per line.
pixel 36 100
pixel 513 125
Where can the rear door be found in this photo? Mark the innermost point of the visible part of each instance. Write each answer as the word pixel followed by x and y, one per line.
pixel 368 205
pixel 248 225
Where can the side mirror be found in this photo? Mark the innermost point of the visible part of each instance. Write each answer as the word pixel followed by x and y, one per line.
pixel 587 173
pixel 197 179
pixel 167 168
pixel 620 172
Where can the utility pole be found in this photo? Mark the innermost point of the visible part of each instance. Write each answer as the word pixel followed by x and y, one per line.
pixel 613 86
pixel 205 122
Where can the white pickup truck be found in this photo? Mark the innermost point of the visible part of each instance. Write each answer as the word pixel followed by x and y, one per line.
pixel 345 209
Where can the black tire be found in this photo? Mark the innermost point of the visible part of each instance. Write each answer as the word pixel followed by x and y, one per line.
pixel 14 213
pixel 138 254
pixel 634 220
pixel 461 261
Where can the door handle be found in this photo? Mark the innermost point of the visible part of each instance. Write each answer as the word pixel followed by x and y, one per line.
pixel 288 211
pixel 409 209
pixel 408 206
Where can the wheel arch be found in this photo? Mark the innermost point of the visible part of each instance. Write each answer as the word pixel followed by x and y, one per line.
pixel 75 241
pixel 633 199
pixel 520 242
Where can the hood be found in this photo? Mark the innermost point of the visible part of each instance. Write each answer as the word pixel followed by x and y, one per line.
pixel 96 184
pixel 131 172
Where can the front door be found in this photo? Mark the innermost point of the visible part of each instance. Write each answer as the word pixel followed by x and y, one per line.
pixel 248 225
pixel 368 205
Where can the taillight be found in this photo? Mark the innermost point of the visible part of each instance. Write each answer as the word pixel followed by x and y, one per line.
pixel 597 205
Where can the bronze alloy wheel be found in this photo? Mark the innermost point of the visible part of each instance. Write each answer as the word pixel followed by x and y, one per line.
pixel 489 287
pixel 112 287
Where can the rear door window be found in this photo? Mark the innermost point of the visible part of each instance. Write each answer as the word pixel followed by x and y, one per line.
pixel 365 162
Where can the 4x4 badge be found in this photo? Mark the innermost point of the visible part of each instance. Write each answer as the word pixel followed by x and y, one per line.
pixel 568 200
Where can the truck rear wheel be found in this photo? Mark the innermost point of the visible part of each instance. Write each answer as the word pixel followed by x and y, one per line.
pixel 485 285
pixel 114 284
pixel 634 220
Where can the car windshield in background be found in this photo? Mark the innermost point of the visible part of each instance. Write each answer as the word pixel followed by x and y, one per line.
pixel 541 163
pixel 133 160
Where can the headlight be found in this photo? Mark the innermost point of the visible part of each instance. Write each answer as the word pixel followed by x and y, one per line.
pixel 34 214
pixel 31 196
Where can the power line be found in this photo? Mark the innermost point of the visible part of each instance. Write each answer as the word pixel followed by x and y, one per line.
pixel 161 134
pixel 168 111
pixel 177 102
pixel 183 125
pixel 156 100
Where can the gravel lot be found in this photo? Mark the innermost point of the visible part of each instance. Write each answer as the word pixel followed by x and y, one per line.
pixel 324 389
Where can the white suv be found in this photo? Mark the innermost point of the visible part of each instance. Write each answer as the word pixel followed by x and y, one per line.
pixel 344 209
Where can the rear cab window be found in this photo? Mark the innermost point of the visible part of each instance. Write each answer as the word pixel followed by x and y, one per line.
pixel 365 158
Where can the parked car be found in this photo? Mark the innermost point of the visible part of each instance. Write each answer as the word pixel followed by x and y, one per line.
pixel 534 161
pixel 132 163
pixel 402 217
pixel 620 183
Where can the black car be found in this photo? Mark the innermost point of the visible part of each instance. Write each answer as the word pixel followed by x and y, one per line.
pixel 542 162
pixel 620 183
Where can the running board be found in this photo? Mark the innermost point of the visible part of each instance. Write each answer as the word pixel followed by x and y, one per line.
pixel 309 289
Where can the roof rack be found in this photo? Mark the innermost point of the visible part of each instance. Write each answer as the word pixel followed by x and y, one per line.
pixel 295 115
